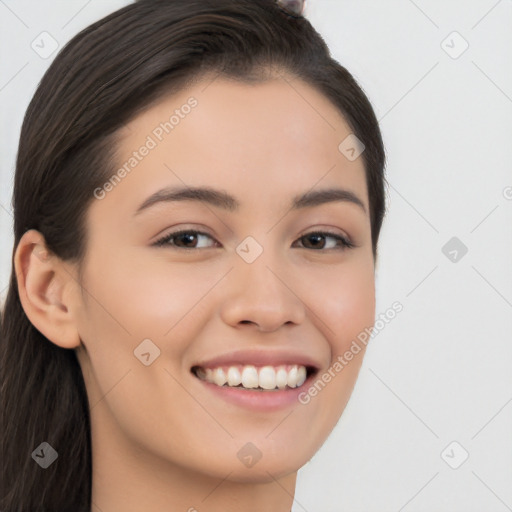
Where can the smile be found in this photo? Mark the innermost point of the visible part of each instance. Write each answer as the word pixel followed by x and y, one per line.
pixel 263 378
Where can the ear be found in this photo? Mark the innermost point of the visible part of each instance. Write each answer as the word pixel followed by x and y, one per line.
pixel 46 288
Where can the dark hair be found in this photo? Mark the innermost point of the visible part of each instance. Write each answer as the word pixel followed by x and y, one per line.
pixel 100 80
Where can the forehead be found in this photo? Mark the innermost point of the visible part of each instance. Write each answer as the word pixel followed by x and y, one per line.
pixel 262 141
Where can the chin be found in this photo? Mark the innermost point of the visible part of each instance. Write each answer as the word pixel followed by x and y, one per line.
pixel 263 472
pixel 273 460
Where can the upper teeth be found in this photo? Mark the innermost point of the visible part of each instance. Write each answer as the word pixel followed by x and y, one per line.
pixel 250 377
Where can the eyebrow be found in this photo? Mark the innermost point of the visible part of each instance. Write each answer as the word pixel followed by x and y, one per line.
pixel 223 200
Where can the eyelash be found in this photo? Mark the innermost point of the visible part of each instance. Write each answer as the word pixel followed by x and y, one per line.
pixel 164 241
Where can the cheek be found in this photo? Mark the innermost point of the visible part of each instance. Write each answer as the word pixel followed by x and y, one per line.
pixel 346 307
pixel 139 300
pixel 345 301
pixel 127 302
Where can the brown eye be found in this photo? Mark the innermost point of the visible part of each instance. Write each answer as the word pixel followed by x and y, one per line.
pixel 316 240
pixel 185 239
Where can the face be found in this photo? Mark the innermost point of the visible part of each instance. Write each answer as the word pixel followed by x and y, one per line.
pixel 257 288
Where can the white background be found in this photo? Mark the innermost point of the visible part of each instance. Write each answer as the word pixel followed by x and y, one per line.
pixel 441 370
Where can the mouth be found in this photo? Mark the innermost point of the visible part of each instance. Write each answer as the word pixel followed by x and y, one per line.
pixel 251 377
pixel 256 380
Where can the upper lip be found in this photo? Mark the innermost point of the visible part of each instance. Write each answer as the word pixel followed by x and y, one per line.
pixel 259 357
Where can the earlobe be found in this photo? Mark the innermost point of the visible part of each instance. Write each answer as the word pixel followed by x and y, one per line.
pixel 44 287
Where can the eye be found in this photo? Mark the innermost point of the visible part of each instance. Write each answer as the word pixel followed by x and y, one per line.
pixel 188 238
pixel 340 242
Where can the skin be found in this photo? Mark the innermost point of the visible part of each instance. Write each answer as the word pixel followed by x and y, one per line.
pixel 160 441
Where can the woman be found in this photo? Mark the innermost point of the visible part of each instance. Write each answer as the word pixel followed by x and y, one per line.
pixel 198 198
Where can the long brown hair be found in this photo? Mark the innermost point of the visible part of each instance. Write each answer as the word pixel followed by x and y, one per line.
pixel 101 79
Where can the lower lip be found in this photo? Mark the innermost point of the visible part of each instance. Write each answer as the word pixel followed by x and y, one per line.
pixel 265 401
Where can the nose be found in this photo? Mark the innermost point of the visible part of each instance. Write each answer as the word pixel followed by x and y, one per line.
pixel 262 294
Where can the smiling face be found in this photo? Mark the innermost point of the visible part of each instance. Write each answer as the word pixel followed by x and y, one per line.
pixel 257 286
